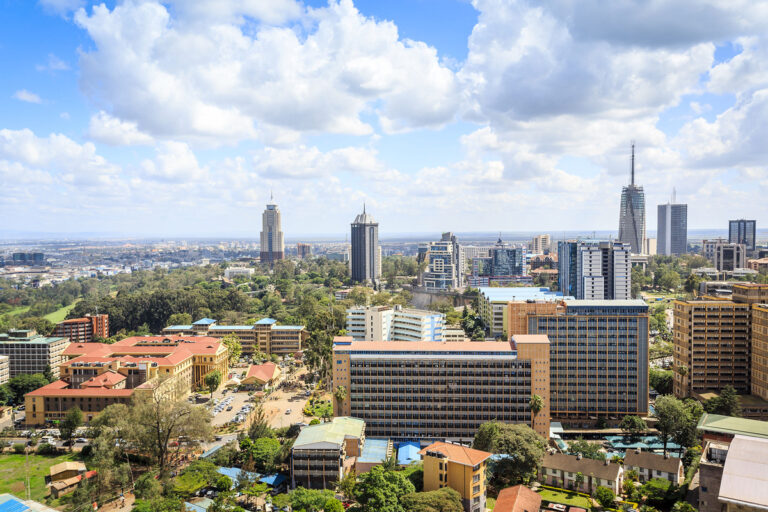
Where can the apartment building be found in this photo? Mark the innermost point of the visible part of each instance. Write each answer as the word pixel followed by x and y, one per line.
pixel 384 323
pixel 322 454
pixel 759 370
pixel 598 356
pixel 29 352
pixel 460 468
pixel 493 303
pixel 83 330
pixel 541 244
pixel 5 369
pixel 430 391
pixel 237 272
pixel 95 375
pixel 264 336
pixel 595 269
pixel 650 465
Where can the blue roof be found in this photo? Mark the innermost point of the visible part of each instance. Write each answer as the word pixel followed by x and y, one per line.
pixel 266 321
pixel 179 327
pixel 201 506
pixel 232 327
pixel 408 452
pixel 204 321
pixel 233 473
pixel 9 503
pixel 374 450
pixel 288 327
pixel 211 451
pixel 520 293
pixel 274 480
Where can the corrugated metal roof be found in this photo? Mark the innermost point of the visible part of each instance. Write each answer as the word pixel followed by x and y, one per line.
pixel 333 432
pixel 266 321
pixel 730 425
pixel 745 473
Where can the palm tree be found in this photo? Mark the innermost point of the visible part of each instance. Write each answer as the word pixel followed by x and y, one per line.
pixel 536 403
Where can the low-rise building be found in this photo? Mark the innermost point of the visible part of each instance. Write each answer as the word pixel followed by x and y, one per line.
pixel 83 330
pixel 454 333
pixel 238 272
pixel 458 467
pixel 29 352
pixel 322 454
pixel 518 499
pixel 652 465
pixel 744 483
pixel 261 375
pixel 12 503
pixel 560 470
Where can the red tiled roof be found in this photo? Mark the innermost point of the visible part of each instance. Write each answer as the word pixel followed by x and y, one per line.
pixel 425 346
pixel 60 388
pixel 106 379
pixel 263 372
pixel 518 499
pixel 457 453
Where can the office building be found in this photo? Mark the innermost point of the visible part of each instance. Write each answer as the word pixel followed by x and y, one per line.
pixel 272 246
pixel 504 265
pixel 743 231
pixel 304 251
pixel 493 305
pixel 729 257
pixel 441 391
pixel 5 369
pixel 632 213
pixel 598 357
pixel 595 269
pixel 322 454
pixel 366 253
pixel 384 323
pixel 471 252
pixel 651 247
pixel 445 263
pixel 540 244
pixel 460 468
pixel 672 229
pixel 238 272
pixel 83 330
pixel 95 375
pixel 35 259
pixel 264 336
pixel 759 367
pixel 29 352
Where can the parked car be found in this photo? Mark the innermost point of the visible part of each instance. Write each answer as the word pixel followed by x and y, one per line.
pixel 288 411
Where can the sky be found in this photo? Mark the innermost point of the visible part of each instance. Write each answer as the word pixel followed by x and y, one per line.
pixel 179 118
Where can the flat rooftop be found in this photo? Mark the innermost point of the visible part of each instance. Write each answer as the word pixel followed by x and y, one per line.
pixel 494 294
pixel 423 346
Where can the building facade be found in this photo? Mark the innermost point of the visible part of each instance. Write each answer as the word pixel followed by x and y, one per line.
pixel 430 391
pixel 384 323
pixel 560 470
pixel 5 369
pixel 29 352
pixel 503 265
pixel 729 256
pixel 236 272
pixel 304 251
pixel 541 244
pixel 460 468
pixel 743 231
pixel 83 330
pixel 493 305
pixel 759 367
pixel 595 269
pixel 272 245
pixel 445 263
pixel 632 214
pixel 672 229
pixel 365 259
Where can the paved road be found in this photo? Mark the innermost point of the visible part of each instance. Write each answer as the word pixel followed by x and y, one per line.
pixel 238 400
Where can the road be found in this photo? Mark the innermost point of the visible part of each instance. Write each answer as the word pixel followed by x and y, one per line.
pixel 225 416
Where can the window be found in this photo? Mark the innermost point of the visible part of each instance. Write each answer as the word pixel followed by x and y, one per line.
pixel 476 489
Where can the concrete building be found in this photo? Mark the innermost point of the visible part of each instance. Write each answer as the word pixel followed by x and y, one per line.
pixel 272 246
pixel 95 375
pixel 83 330
pixel 729 257
pixel 471 252
pixel 651 247
pixel 235 272
pixel 460 468
pixel 366 254
pixel 445 263
pixel 322 454
pixel 454 333
pixel 759 366
pixel 595 269
pixel 632 213
pixel 650 465
pixel 264 336
pixel 5 369
pixel 493 304
pixel 672 229
pixel 743 231
pixel 384 323
pixel 304 251
pixel 541 244
pixel 29 352
pixel 598 357
pixel 504 265
pixel 441 391
pixel 560 470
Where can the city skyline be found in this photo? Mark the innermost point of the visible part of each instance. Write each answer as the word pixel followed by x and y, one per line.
pixel 411 109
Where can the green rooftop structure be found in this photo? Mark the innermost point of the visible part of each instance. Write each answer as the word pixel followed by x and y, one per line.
pixel 732 426
pixel 322 454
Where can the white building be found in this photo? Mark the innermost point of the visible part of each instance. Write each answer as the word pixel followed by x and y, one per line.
pixel 595 269
pixel 5 369
pixel 235 272
pixel 383 323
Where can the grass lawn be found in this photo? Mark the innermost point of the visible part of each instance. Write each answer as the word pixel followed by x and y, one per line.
pixel 568 498
pixel 17 310
pixel 13 472
pixel 61 313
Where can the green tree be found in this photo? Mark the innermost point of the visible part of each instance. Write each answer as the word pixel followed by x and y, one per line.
pixel 441 500
pixel 264 452
pixel 586 449
pixel 536 404
pixel 48 373
pixel 169 504
pixel 522 445
pixel 380 491
pixel 340 393
pixel 235 348
pixel 213 381
pixel 347 485
pixel 180 319
pixel 224 483
pixel 148 487
pixel 69 425
pixel 671 415
pixel 660 380
pixel 23 384
pixel 309 500
pixel 683 506
pixel 633 425
pixel 727 403
pixel 658 492
pixel 579 480
pixel 260 426
pixel 605 497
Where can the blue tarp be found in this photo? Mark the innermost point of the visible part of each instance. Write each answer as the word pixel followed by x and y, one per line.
pixel 408 452
pixel 211 451
pixel 200 506
pixel 233 473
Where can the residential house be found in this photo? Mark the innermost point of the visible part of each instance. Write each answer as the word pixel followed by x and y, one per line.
pixel 261 375
pixel 518 499
pixel 560 470
pixel 652 465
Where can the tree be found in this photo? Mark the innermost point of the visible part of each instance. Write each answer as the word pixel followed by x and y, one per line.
pixel 148 487
pixel 605 497
pixel 380 491
pixel 20 385
pixel 340 393
pixel 213 381
pixel 69 425
pixel 309 500
pixel 224 483
pixel 660 380
pixel 633 425
pixel 48 373
pixel 235 348
pixel 586 449
pixel 333 505
pixel 260 426
pixel 263 452
pixel 347 485
pixel 579 480
pixel 536 403
pixel 658 492
pixel 727 403
pixel 170 504
pixel 671 415
pixel 683 506
pixel 180 319
pixel 441 500
pixel 524 449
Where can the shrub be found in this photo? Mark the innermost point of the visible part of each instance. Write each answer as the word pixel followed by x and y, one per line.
pixel 18 448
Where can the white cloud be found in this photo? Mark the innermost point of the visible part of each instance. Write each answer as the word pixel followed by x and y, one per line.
pixel 109 130
pixel 61 7
pixel 26 96
pixel 54 64
pixel 302 162
pixel 175 163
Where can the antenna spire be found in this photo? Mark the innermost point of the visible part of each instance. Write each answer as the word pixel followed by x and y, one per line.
pixel 674 195
pixel 633 164
pixel 363 207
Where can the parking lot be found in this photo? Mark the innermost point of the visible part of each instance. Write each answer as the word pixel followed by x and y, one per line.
pixel 229 405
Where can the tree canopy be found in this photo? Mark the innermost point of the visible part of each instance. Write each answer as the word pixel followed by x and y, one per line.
pixel 522 446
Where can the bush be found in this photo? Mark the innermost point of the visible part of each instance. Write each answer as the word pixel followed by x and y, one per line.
pixel 605 497
pixel 18 448
pixel 46 449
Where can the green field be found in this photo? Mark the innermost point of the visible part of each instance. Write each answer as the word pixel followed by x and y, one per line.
pixel 61 313
pixel 17 310
pixel 13 473
pixel 568 498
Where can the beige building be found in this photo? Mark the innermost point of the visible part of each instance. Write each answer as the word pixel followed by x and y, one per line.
pixel 541 244
pixel 759 370
pixel 460 468
pixel 5 369
pixel 29 352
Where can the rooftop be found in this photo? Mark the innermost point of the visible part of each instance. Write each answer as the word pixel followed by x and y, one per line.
pixel 652 461
pixel 205 321
pixel 262 372
pixel 375 450
pixel 333 432
pixel 733 426
pixel 422 346
pixel 518 499
pixel 518 339
pixel 745 473
pixel 61 388
pixel 66 466
pixel 266 321
pixel 10 503
pixel 457 453
pixel 588 467
pixel 520 293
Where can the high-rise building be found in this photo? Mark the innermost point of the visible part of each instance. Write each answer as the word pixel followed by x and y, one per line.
pixel 30 352
pixel 83 330
pixel 493 301
pixel 672 229
pixel 742 231
pixel 383 323
pixel 540 244
pixel 759 370
pixel 595 269
pixel 632 213
pixel 504 265
pixel 272 246
pixel 445 263
pixel 366 253
pixel 430 391
pixel 729 256
pixel 304 251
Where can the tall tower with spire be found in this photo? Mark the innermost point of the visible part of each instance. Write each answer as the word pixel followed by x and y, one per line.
pixel 632 213
pixel 272 247
pixel 365 257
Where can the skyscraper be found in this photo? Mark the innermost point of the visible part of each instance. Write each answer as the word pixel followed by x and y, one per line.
pixel 366 255
pixel 672 231
pixel 272 248
pixel 632 213
pixel 595 269
pixel 445 263
pixel 742 231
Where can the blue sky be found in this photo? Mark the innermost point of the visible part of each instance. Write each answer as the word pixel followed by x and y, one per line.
pixel 177 118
